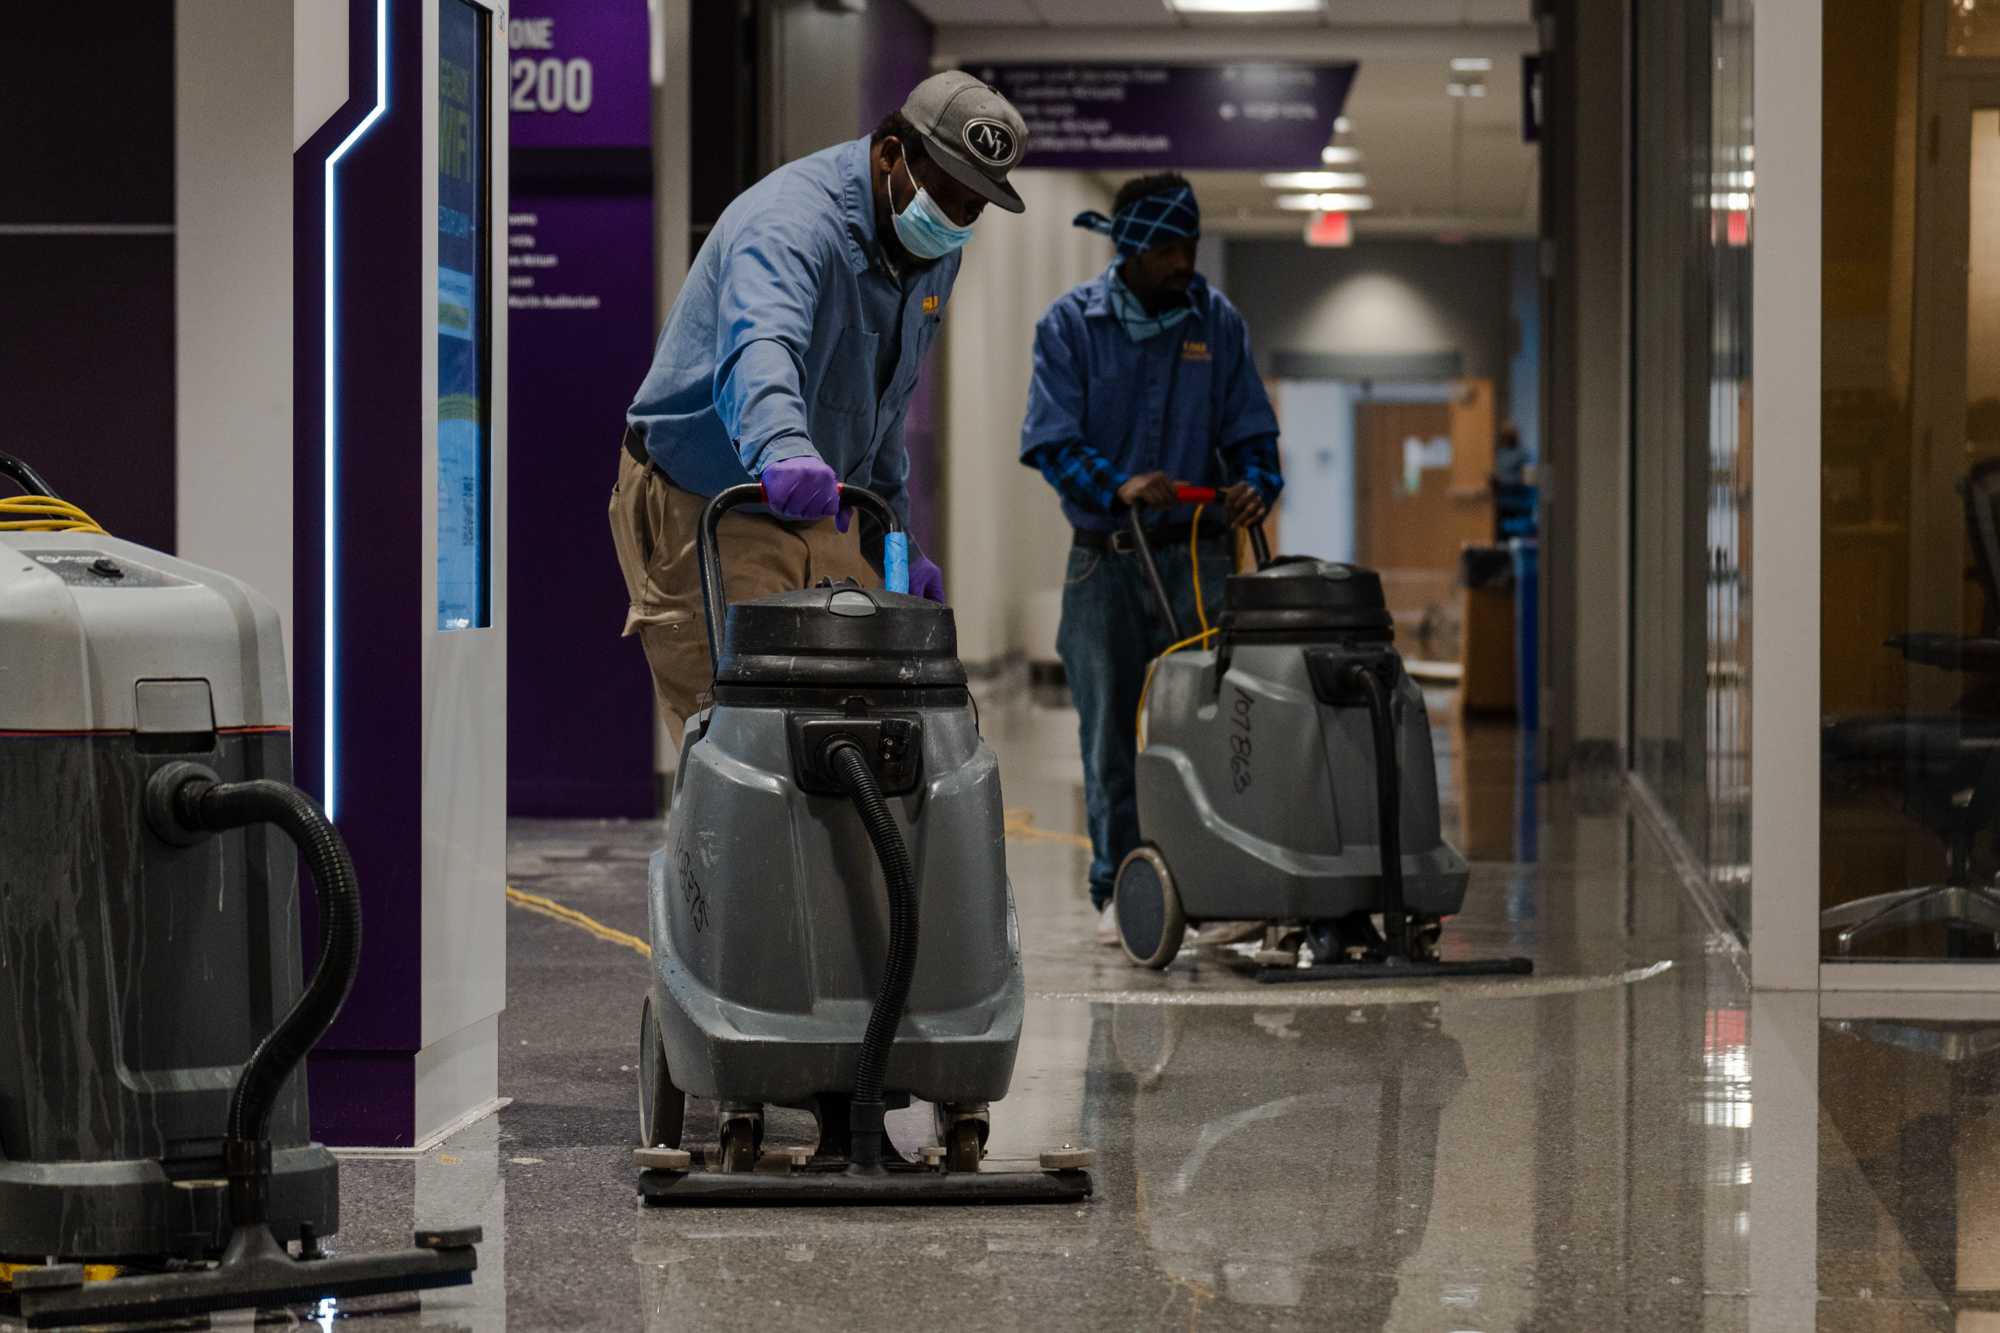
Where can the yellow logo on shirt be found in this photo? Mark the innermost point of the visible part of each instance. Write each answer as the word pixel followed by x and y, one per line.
pixel 1194 351
pixel 930 305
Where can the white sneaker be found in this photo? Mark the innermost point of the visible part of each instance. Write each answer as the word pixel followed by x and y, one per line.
pixel 1107 925
pixel 1217 933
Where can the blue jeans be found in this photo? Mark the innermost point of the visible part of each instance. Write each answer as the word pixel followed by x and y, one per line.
pixel 1111 628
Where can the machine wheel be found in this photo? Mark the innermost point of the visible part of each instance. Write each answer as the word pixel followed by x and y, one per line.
pixel 1345 938
pixel 962 1132
pixel 1426 937
pixel 662 1106
pixel 962 1148
pixel 1151 924
pixel 742 1142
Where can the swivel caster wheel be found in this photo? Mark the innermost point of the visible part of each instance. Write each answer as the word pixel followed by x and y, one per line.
pixel 742 1140
pixel 1151 924
pixel 662 1106
pixel 962 1131
pixel 1351 938
pixel 1426 938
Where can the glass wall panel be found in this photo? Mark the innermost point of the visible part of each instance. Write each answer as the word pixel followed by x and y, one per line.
pixel 1732 182
pixel 1910 491
pixel 1694 189
pixel 1975 30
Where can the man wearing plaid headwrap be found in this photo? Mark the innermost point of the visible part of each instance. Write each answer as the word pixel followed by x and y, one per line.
pixel 1143 381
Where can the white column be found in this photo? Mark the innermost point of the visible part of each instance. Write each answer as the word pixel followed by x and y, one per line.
pixel 1785 501
pixel 464 756
pixel 233 140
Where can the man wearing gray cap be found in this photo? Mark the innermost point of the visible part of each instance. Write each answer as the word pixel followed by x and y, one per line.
pixel 789 359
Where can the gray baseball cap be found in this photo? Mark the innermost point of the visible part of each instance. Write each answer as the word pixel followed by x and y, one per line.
pixel 973 132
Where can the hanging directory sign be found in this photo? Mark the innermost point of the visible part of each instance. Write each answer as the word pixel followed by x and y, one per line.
pixel 1204 117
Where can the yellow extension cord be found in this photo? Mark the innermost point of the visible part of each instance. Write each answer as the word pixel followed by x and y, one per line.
pixel 45 513
pixel 1201 614
pixel 91 1272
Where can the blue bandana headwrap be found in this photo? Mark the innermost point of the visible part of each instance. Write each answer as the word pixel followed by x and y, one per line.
pixel 1146 222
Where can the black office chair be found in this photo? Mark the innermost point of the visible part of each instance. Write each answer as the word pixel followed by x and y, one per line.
pixel 1948 763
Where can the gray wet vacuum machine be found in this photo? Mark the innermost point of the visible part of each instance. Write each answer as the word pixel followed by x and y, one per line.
pixel 155 1157
pixel 832 924
pixel 1287 777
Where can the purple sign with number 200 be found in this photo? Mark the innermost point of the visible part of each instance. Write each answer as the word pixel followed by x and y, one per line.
pixel 577 75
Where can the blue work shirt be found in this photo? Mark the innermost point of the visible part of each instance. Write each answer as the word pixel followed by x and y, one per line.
pixel 792 336
pixel 1165 404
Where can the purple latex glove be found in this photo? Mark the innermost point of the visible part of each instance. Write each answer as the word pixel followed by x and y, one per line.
pixel 804 489
pixel 926 579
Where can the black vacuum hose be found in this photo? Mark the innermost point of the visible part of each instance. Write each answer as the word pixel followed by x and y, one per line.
pixel 857 779
pixel 1388 805
pixel 29 480
pixel 185 801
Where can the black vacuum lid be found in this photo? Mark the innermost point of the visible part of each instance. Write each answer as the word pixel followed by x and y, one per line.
pixel 844 635
pixel 1300 595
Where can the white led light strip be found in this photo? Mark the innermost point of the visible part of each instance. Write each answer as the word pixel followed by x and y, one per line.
pixel 331 450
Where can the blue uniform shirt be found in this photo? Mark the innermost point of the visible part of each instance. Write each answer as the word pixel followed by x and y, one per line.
pixel 791 336
pixel 1164 404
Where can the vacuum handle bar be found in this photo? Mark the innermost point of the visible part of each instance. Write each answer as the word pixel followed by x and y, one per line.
pixel 1260 547
pixel 708 554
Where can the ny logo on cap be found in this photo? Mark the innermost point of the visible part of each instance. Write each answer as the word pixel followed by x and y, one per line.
pixel 991 142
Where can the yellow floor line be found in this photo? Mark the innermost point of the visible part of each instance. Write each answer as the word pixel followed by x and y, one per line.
pixel 1018 824
pixel 549 907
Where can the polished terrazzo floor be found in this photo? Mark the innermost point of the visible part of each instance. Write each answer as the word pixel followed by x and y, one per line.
pixel 1628 1140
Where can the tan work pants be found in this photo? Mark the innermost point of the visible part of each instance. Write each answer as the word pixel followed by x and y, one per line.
pixel 654 526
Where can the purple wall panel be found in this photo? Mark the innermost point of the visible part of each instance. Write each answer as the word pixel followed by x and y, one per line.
pixel 579 743
pixel 896 48
pixel 87 320
pixel 895 57
pixel 580 335
pixel 87 360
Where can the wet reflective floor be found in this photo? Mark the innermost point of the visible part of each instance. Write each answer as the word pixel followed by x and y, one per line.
pixel 1625 1140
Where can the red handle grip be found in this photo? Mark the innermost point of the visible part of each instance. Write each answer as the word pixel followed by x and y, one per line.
pixel 1195 495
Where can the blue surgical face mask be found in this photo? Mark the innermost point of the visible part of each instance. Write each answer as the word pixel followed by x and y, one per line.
pixel 923 227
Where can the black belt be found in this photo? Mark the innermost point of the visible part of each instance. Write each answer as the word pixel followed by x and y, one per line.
pixel 1120 540
pixel 635 445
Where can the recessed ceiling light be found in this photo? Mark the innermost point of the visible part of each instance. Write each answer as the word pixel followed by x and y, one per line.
pixel 1471 65
pixel 1338 154
pixel 1315 180
pixel 1324 203
pixel 1341 124
pixel 1246 6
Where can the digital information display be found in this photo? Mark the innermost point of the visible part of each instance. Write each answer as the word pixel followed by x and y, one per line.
pixel 464 583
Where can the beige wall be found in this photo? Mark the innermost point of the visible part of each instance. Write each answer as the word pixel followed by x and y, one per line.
pixel 1005 537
